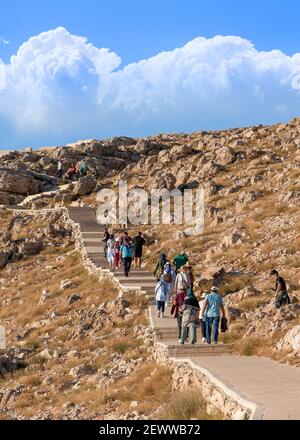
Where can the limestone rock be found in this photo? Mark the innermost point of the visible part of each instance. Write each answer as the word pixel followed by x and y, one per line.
pixel 291 340
pixel 18 184
pixel 84 186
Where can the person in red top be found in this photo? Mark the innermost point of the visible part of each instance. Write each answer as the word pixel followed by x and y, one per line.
pixel 117 253
pixel 71 171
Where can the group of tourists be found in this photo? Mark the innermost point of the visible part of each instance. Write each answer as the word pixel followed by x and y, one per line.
pixel 123 250
pixel 75 171
pixel 175 283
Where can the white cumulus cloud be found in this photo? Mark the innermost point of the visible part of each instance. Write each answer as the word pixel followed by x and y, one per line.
pixel 59 87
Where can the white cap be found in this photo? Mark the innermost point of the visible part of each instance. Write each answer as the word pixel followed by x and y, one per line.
pixel 214 289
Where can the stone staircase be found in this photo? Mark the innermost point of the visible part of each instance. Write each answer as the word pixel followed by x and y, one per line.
pixel 139 279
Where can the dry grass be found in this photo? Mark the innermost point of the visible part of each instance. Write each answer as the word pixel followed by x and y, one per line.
pixel 234 283
pixel 188 405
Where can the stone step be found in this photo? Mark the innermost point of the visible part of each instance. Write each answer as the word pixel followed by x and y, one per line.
pixel 177 350
pixel 135 272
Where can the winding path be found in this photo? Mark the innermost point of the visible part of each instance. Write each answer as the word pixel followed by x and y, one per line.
pixel 272 388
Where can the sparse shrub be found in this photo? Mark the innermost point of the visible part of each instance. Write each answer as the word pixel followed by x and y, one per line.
pixel 234 283
pixel 120 347
pixel 251 304
pixel 250 346
pixel 33 380
pixel 185 406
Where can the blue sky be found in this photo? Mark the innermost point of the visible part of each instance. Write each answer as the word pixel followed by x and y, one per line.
pixel 40 110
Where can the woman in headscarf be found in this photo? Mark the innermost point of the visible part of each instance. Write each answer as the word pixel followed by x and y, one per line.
pixel 159 268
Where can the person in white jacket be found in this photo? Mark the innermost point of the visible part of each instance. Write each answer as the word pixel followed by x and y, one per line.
pixel 183 280
pixel 202 315
pixel 161 295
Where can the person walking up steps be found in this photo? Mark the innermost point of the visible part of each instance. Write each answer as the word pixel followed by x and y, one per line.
pixel 180 260
pixel 106 236
pixel 126 254
pixel 282 296
pixel 159 268
pixel 111 251
pixel 202 315
pixel 213 306
pixel 117 253
pixel 182 284
pixel 190 316
pixel 138 242
pixel 161 295
pixel 169 276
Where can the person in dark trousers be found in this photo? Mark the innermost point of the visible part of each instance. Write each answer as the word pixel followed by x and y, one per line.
pixel 126 254
pixel 106 236
pixel 176 309
pixel 138 242
pixel 281 293
pixel 213 307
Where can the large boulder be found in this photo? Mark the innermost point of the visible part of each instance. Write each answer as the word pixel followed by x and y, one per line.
pixel 17 183
pixel 291 340
pixel 85 185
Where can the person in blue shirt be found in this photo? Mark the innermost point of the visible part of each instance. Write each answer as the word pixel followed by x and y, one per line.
pixel 213 308
pixel 126 255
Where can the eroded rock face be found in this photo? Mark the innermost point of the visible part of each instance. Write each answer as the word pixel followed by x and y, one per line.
pixel 291 340
pixel 18 184
pixel 84 186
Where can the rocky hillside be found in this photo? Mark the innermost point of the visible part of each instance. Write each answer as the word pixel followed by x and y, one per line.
pixel 251 178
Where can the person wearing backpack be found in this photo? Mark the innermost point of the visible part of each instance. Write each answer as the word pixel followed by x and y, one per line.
pixel 161 296
pixel 181 286
pixel 213 307
pixel 159 268
pixel 126 255
pixel 169 276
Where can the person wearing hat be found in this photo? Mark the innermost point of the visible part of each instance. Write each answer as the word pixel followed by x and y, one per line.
pixel 213 308
pixel 189 268
pixel 202 315
pixel 181 286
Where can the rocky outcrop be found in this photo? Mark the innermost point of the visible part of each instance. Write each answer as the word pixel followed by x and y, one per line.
pixel 291 340
pixel 84 186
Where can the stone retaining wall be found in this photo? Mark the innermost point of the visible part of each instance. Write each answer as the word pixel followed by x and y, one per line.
pixel 186 374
